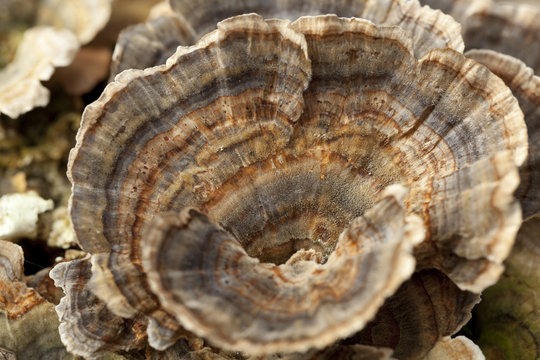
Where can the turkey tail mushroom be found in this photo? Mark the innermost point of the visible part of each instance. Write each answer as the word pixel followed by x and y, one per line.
pixel 203 276
pixel 511 29
pixel 525 86
pixel 28 323
pixel 283 137
pixel 231 86
pixel 152 43
pixel 87 327
pixel 429 28
pixel 425 309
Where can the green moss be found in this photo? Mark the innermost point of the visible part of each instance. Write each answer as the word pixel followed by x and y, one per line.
pixel 507 321
pixel 42 134
pixel 8 45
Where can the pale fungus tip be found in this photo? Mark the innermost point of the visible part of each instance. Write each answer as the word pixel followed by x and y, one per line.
pixel 458 348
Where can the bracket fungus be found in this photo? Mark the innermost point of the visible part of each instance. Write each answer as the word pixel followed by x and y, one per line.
pixel 7 355
pixel 511 29
pixel 424 310
pixel 429 28
pixel 95 328
pixel 150 44
pixel 40 51
pixel 145 45
pixel 270 186
pixel 295 306
pixel 54 31
pixel 508 28
pixel 28 323
pixel 525 86
pixel 505 38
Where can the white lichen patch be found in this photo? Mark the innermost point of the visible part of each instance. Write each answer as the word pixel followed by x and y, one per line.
pixel 19 214
pixel 61 235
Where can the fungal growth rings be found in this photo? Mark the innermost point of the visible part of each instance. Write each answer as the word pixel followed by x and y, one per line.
pixel 288 203
pixel 271 186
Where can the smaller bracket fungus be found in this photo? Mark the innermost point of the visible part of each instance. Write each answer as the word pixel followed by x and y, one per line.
pixel 60 28
pixel 504 37
pixel 87 327
pixel 28 323
pixel 429 29
pixel 150 44
pixel 425 309
pixel 145 45
pixel 7 355
pixel 525 86
pixel 262 171
pixel 84 18
pixel 40 51
pixel 458 9
pixel 511 29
